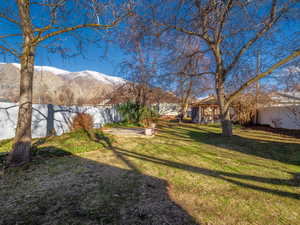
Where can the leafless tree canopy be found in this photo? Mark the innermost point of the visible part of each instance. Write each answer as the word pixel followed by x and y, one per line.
pixel 230 33
pixel 58 25
pixel 49 23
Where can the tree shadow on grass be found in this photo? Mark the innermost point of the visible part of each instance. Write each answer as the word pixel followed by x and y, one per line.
pixel 74 190
pixel 280 131
pixel 275 150
pixel 227 176
pixel 279 151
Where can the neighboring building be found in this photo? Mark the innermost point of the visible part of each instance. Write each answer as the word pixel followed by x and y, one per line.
pixel 165 102
pixel 2 99
pixel 205 111
pixel 168 108
pixel 283 111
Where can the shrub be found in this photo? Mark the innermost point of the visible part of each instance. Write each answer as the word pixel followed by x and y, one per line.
pixel 129 112
pixel 245 107
pixel 134 113
pixel 147 116
pixel 82 121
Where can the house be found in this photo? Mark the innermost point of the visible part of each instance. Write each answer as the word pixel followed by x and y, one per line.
pixel 283 111
pixel 3 99
pixel 165 102
pixel 206 110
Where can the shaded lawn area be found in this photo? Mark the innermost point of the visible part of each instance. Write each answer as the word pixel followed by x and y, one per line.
pixel 187 174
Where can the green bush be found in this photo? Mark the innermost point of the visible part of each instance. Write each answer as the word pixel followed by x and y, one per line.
pixel 123 124
pixel 129 112
pixel 133 113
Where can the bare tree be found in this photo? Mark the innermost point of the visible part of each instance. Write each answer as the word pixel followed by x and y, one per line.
pixel 188 88
pixel 184 64
pixel 66 97
pixel 231 31
pixel 32 29
pixel 141 65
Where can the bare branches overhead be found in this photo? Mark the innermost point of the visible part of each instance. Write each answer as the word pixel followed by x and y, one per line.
pixel 56 18
pixel 232 31
pixel 40 21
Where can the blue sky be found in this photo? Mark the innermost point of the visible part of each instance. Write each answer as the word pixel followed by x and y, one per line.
pixel 105 59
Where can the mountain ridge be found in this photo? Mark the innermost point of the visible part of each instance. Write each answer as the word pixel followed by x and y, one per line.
pixel 58 86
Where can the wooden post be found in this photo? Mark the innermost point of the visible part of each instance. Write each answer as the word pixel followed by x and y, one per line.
pixel 200 114
pixel 213 114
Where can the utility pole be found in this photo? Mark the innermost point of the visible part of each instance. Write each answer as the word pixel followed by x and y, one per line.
pixel 257 88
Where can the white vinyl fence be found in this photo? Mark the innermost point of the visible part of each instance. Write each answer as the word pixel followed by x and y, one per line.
pixel 45 118
pixel 280 116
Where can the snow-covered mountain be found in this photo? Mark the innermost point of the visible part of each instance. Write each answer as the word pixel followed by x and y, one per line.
pixel 89 74
pixel 51 69
pixel 55 85
pixel 93 75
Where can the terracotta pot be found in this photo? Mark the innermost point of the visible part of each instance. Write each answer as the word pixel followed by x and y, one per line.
pixel 153 125
pixel 148 131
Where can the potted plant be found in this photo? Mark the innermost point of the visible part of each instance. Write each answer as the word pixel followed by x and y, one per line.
pixel 148 117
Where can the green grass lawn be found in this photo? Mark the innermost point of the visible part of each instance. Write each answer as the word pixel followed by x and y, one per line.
pixel 187 174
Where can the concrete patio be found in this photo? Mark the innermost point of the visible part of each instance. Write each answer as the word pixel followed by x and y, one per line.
pixel 128 132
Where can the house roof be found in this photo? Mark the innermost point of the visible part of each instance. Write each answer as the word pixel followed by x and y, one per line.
pixel 2 99
pixel 128 92
pixel 210 100
pixel 285 98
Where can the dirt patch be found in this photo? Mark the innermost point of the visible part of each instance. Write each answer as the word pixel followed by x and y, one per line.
pixel 127 132
pixel 84 190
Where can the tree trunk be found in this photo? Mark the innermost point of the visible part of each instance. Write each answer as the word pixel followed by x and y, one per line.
pixel 224 108
pixel 185 99
pixel 226 123
pixel 183 110
pixel 20 154
pixel 50 120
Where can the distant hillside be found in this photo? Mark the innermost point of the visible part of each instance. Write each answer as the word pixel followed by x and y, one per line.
pixel 56 86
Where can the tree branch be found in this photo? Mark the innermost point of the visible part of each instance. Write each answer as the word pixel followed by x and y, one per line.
pixel 10 35
pixel 11 51
pixel 268 25
pixel 9 19
pixel 59 3
pixel 68 29
pixel 223 20
pixel 262 75
pixel 197 74
pixel 183 30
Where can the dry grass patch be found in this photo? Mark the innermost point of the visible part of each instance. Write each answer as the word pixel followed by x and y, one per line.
pixel 187 174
